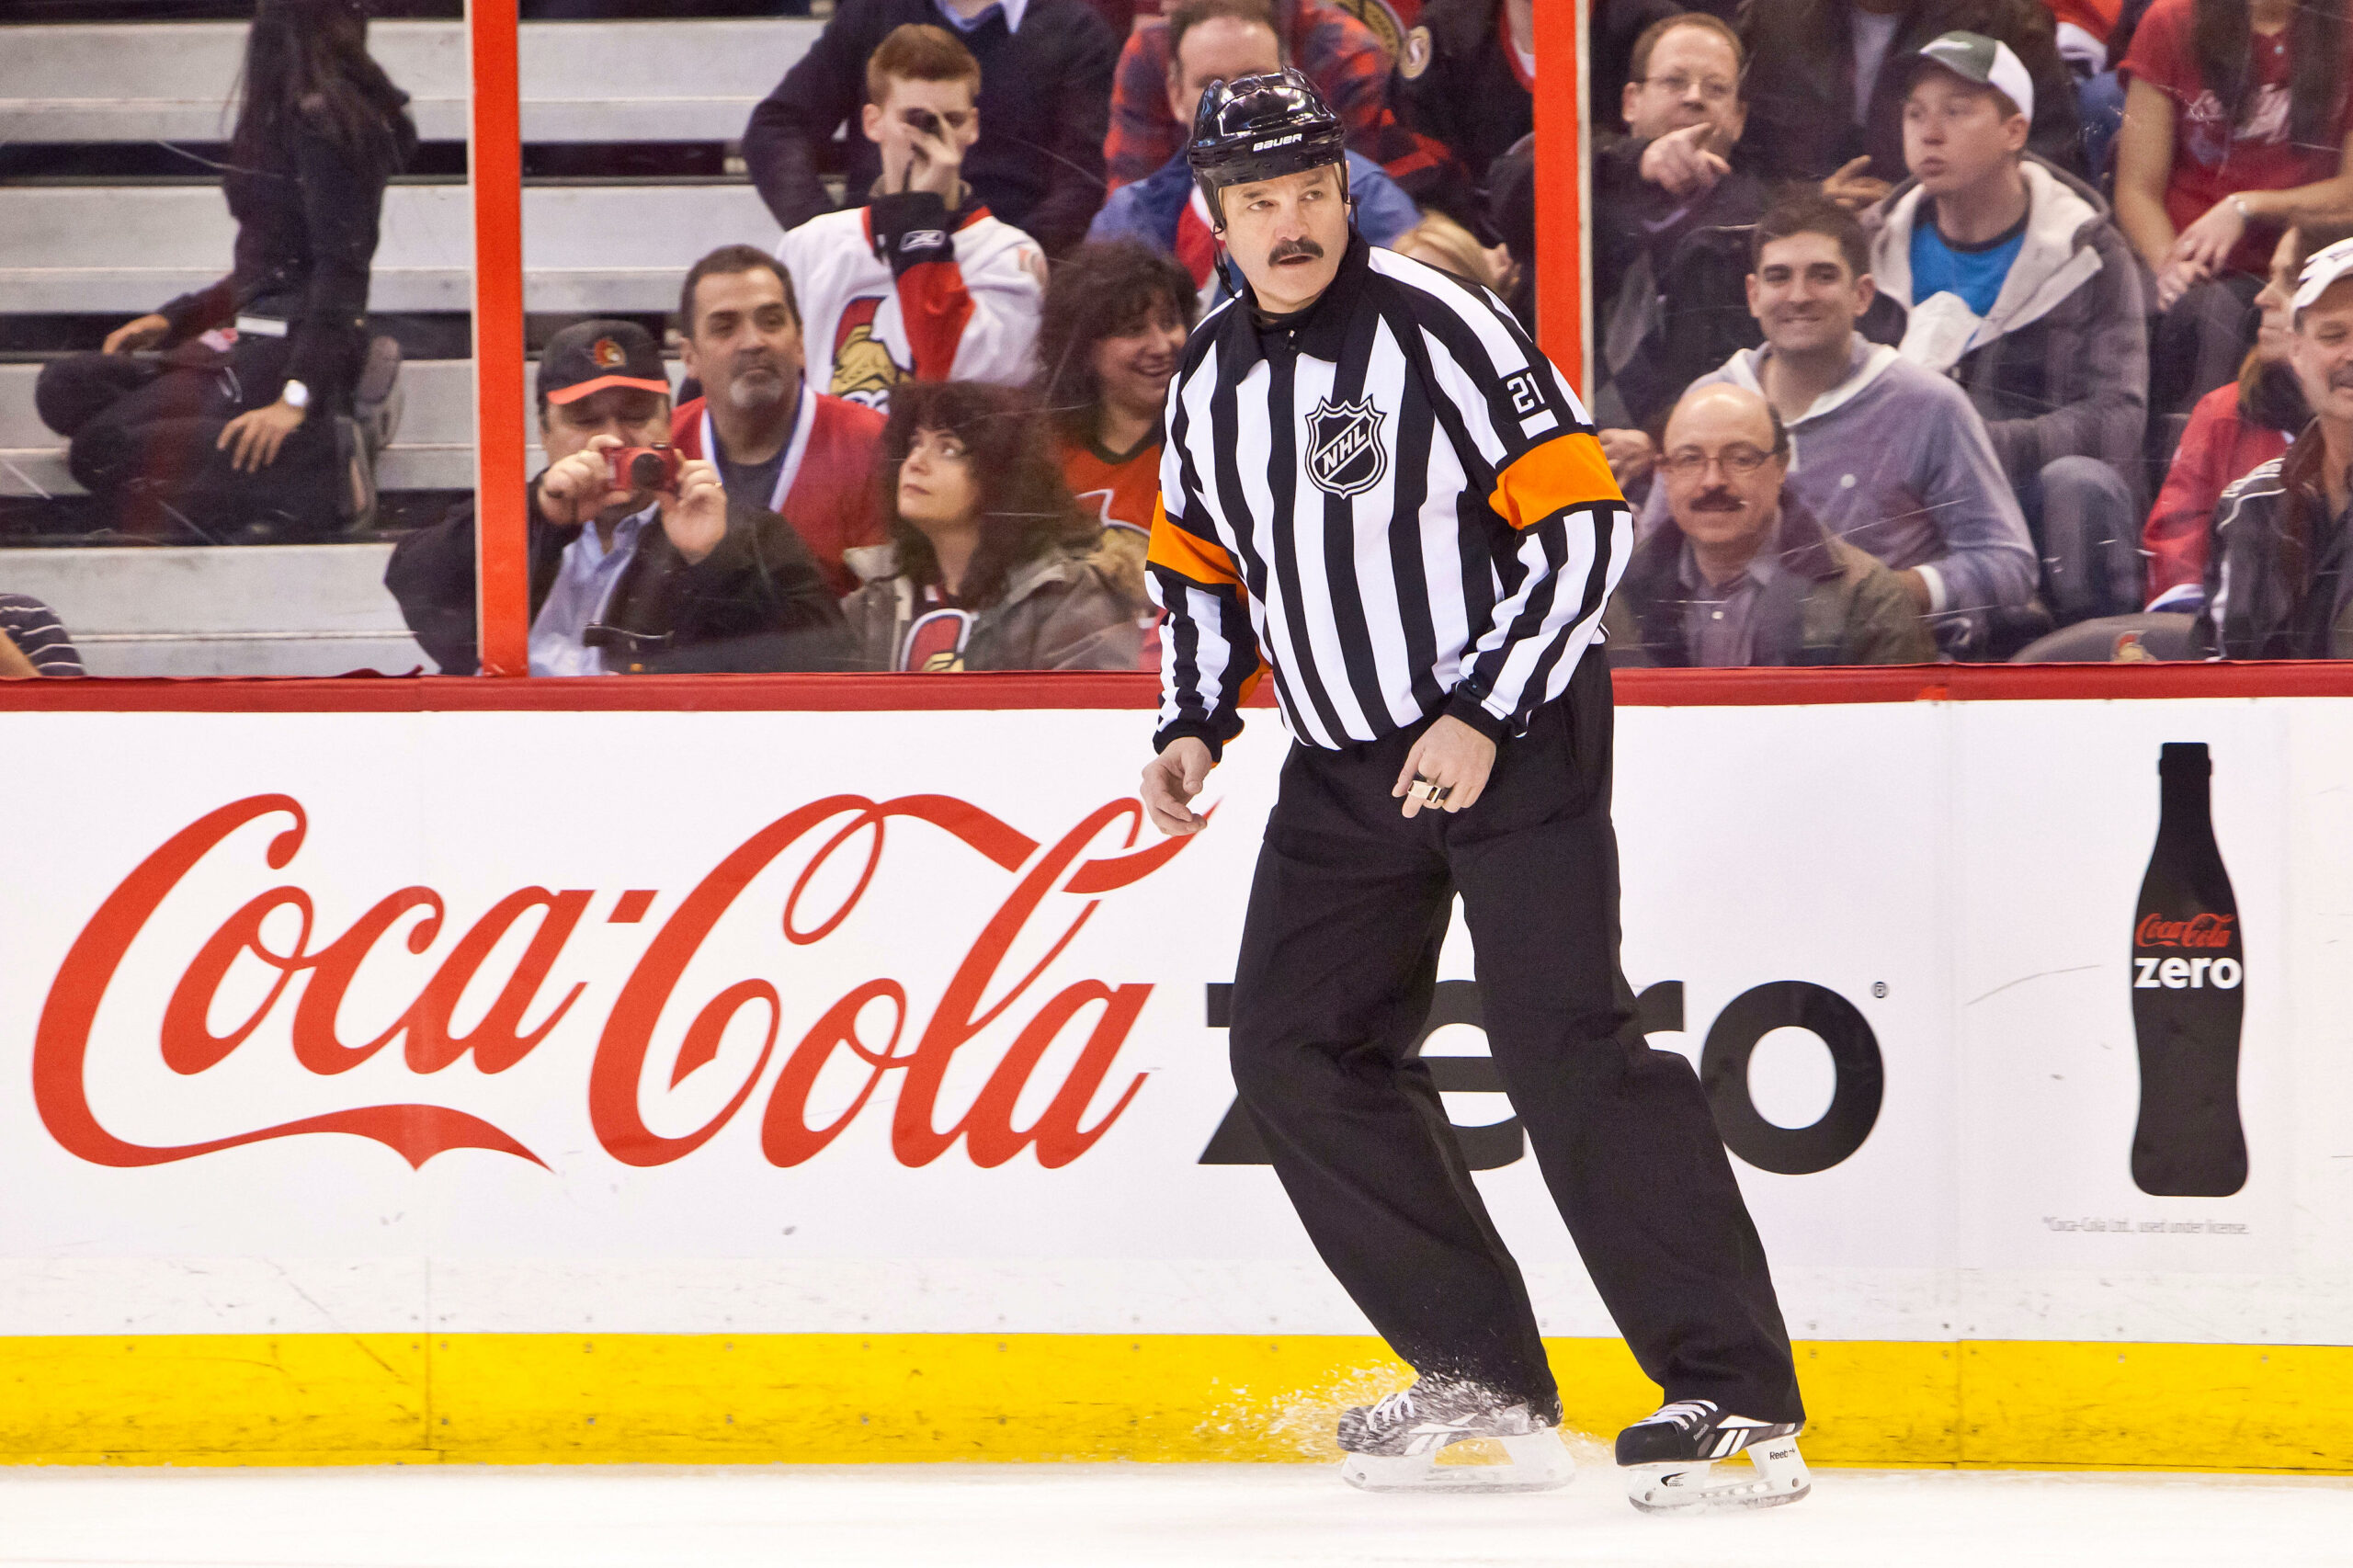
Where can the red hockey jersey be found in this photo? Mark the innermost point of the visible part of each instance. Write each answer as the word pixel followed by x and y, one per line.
pixel 826 488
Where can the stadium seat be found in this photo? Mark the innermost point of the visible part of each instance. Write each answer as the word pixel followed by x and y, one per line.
pixel 608 82
pixel 106 249
pixel 434 449
pixel 296 610
pixel 2116 639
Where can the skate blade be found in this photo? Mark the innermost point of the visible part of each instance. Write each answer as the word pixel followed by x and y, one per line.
pixel 1537 1461
pixel 1777 1475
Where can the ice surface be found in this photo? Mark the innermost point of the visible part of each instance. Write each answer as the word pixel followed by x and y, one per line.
pixel 1121 1515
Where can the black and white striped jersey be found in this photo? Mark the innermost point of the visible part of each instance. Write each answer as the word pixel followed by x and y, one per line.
pixel 1392 503
pixel 34 628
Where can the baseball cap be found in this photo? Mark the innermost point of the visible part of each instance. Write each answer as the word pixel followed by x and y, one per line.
pixel 1987 62
pixel 584 359
pixel 2323 268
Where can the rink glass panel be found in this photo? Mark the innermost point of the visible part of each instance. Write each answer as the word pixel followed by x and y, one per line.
pixel 119 510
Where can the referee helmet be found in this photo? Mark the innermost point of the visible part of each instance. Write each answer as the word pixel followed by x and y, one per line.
pixel 1257 128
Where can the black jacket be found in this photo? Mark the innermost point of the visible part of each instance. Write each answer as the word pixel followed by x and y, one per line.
pixel 1670 296
pixel 1455 83
pixel 755 603
pixel 306 238
pixel 1801 80
pixel 1045 104
pixel 2256 607
pixel 1830 604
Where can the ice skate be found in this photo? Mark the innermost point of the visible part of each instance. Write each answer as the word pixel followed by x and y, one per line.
pixel 1668 1460
pixel 1393 1445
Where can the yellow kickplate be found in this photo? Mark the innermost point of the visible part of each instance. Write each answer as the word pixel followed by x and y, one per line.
pixel 192 1399
pixel 539 1399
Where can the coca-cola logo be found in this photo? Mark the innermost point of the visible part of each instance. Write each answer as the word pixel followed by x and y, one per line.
pixel 312 977
pixel 2198 931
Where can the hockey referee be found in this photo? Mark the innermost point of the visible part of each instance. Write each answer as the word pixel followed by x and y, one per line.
pixel 1378 493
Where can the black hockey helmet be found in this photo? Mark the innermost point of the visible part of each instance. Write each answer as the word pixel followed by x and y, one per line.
pixel 1259 127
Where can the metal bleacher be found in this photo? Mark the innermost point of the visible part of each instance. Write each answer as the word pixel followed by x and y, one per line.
pixel 76 249
pixel 434 448
pixel 286 609
pixel 124 250
pixel 669 81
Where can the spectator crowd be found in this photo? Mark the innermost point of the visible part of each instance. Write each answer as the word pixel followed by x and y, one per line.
pixel 1921 329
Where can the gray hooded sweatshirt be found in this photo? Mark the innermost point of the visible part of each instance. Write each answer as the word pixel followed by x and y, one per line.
pixel 1895 461
pixel 2059 366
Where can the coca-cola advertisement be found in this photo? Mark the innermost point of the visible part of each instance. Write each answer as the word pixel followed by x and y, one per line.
pixel 695 1022
pixel 2126 1041
pixel 2189 971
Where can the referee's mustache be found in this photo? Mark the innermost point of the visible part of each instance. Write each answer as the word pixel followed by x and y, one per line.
pixel 1292 250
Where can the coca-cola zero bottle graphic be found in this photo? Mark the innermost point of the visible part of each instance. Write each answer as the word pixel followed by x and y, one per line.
pixel 2189 973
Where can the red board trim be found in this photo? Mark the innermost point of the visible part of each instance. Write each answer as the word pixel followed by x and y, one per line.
pixel 888 693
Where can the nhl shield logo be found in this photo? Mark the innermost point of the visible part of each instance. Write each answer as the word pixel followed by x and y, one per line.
pixel 1345 456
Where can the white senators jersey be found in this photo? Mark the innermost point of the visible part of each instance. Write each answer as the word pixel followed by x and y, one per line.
pixel 903 290
pixel 1391 503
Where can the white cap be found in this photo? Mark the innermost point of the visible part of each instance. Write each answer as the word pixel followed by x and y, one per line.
pixel 1987 62
pixel 2321 270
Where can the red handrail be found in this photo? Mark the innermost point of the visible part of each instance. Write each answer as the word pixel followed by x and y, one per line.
pixel 917 694
pixel 1562 246
pixel 494 162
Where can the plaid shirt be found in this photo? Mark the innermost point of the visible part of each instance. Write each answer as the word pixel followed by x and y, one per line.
pixel 1342 56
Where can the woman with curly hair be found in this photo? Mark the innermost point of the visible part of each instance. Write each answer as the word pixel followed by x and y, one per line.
pixel 990 563
pixel 1110 336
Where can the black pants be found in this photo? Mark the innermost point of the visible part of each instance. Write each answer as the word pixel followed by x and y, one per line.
pixel 1339 958
pixel 144 433
pixel 2200 343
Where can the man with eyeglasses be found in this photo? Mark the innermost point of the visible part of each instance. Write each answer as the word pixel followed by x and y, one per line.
pixel 1743 572
pixel 1890 456
pixel 1670 232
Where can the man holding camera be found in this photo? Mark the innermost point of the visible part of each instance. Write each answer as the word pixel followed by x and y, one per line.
pixel 640 561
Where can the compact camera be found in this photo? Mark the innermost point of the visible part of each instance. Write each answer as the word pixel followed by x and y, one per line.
pixel 645 468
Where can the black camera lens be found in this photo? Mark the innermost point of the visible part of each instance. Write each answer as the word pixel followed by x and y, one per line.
pixel 647 471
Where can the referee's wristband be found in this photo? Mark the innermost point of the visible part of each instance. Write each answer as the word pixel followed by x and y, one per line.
pixel 1473 712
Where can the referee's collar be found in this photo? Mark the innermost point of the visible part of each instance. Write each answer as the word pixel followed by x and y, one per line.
pixel 1322 327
